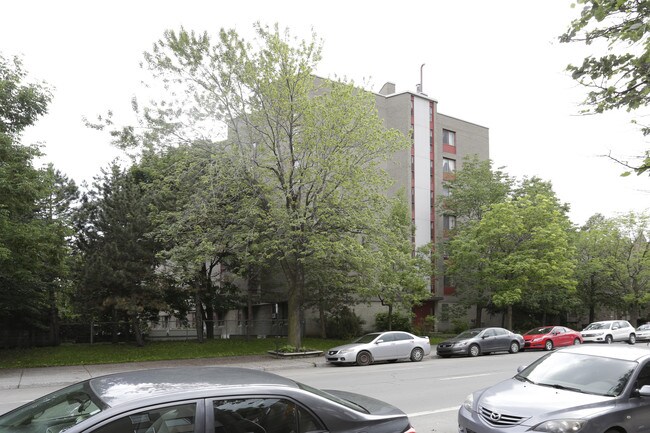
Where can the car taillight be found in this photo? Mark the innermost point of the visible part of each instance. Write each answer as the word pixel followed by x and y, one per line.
pixel 409 430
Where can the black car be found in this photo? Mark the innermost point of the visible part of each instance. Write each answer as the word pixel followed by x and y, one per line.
pixel 201 400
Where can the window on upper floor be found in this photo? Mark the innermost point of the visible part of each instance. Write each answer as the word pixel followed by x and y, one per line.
pixel 448 165
pixel 448 222
pixel 448 137
pixel 446 191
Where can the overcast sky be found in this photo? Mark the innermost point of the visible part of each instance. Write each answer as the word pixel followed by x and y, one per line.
pixel 494 63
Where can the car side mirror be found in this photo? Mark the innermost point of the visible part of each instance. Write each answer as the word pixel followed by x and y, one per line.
pixel 521 368
pixel 379 341
pixel 644 391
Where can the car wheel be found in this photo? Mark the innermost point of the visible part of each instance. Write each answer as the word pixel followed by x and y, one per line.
pixel 474 350
pixel 608 339
pixel 548 345
pixel 417 354
pixel 632 339
pixel 364 358
pixel 514 347
pixel 576 341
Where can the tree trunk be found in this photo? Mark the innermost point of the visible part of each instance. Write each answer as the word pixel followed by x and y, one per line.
pixel 209 321
pixel 294 304
pixel 114 328
pixel 198 318
pixel 55 338
pixel 321 317
pixel 390 317
pixel 509 317
pixel 479 315
pixel 135 324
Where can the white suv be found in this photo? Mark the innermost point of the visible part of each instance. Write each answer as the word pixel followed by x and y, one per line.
pixel 608 331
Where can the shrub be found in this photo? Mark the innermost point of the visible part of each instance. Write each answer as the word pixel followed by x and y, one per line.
pixel 343 324
pixel 399 322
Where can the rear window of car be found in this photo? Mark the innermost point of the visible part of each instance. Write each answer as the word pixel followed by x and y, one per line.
pixel 328 396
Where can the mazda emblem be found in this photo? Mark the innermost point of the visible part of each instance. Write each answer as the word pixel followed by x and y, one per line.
pixel 494 416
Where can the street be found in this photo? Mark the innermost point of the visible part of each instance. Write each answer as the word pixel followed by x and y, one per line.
pixel 429 391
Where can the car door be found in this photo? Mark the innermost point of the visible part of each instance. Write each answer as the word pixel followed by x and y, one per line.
pixel 634 408
pixel 621 329
pixel 488 341
pixel 560 337
pixel 403 344
pixel 502 339
pixel 384 347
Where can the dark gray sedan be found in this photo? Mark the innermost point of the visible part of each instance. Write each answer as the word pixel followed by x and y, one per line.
pixel 590 389
pixel 202 400
pixel 478 341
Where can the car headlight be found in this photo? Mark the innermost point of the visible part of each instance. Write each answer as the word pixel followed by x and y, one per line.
pixel 537 339
pixel 461 343
pixel 561 426
pixel 341 352
pixel 469 402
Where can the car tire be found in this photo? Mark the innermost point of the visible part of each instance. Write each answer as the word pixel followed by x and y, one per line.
pixel 364 358
pixel 514 347
pixel 417 354
pixel 474 350
pixel 609 339
pixel 548 345
pixel 576 341
pixel 632 339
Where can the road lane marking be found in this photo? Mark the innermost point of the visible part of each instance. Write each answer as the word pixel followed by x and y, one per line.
pixel 432 412
pixel 466 377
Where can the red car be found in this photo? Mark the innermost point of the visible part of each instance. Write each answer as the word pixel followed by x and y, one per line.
pixel 548 337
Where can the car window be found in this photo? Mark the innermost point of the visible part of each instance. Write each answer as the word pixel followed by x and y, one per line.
pixel 489 333
pixel 389 336
pixel 644 377
pixel 169 419
pixel 262 415
pixel 500 332
pixel 402 336
pixel 368 338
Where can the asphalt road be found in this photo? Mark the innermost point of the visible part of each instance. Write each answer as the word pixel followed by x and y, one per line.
pixel 430 391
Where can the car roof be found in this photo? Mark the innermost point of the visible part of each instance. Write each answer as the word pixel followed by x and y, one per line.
pixel 118 388
pixel 618 351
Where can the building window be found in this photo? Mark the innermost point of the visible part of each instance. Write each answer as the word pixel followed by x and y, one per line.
pixel 448 222
pixel 448 137
pixel 448 165
pixel 446 191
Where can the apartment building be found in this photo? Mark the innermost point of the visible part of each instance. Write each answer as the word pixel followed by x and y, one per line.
pixel 439 143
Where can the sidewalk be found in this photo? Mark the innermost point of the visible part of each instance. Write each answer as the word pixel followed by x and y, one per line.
pixel 14 378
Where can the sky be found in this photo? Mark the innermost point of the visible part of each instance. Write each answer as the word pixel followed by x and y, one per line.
pixel 494 63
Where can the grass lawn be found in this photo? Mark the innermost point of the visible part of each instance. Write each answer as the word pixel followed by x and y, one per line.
pixel 106 353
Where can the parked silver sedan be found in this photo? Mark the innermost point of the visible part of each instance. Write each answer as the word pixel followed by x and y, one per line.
pixel 380 346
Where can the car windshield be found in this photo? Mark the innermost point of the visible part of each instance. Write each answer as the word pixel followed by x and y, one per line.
pixel 597 325
pixel 368 338
pixel 581 373
pixel 54 412
pixel 471 333
pixel 539 331
pixel 644 327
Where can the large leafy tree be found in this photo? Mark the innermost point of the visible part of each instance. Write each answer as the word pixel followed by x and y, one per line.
pixel 308 149
pixel 630 261
pixel 595 243
pixel 34 205
pixel 401 273
pixel 118 258
pixel 521 250
pixel 474 190
pixel 619 77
